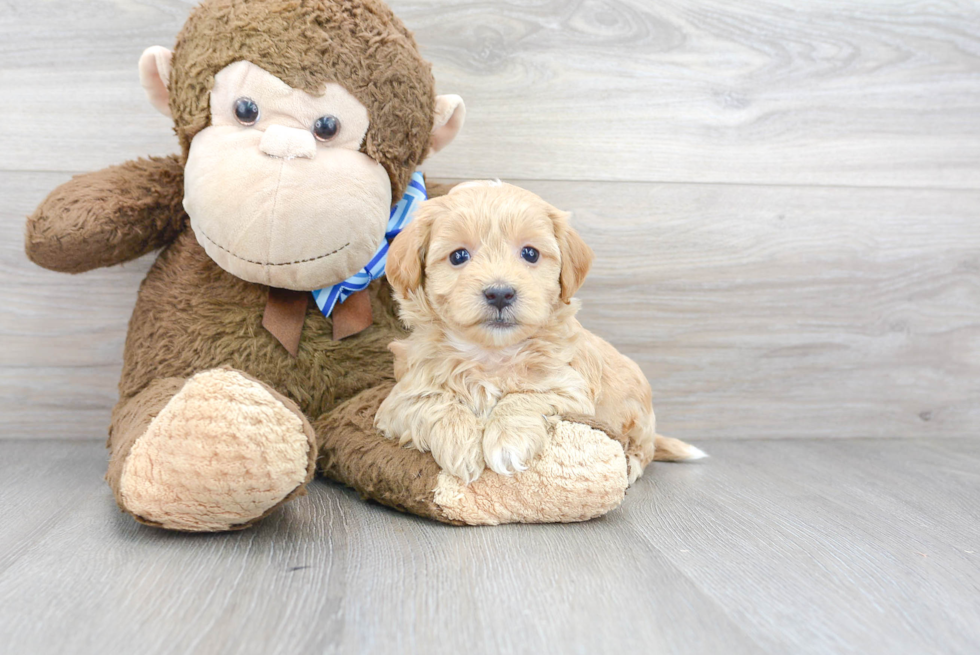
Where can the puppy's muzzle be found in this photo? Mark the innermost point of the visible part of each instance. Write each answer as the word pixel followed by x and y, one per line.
pixel 500 297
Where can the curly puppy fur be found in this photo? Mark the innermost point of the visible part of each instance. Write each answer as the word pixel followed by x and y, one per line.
pixel 479 384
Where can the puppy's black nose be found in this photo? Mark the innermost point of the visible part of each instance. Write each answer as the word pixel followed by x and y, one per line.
pixel 500 297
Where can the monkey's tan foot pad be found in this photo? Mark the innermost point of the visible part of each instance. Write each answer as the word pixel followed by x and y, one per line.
pixel 222 453
pixel 581 474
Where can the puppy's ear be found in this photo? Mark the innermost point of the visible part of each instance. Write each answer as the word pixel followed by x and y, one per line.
pixel 406 256
pixel 576 255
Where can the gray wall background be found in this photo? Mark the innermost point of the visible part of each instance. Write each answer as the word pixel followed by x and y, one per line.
pixel 783 196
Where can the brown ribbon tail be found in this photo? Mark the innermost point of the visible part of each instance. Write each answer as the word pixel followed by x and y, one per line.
pixel 352 316
pixel 285 313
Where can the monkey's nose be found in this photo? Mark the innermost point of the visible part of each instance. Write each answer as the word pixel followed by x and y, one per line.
pixel 288 142
pixel 500 297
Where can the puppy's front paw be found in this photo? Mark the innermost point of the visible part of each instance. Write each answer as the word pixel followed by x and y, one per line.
pixel 455 444
pixel 465 461
pixel 510 442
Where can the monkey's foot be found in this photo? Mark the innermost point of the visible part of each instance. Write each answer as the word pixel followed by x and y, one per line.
pixel 580 474
pixel 222 453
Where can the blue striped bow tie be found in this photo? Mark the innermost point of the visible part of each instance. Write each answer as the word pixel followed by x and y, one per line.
pixel 401 215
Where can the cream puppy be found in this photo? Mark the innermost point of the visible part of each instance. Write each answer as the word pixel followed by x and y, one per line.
pixel 485 277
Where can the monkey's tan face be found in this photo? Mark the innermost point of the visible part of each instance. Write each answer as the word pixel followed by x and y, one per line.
pixel 276 188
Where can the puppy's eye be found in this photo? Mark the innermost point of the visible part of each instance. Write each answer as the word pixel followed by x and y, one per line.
pixel 326 128
pixel 246 111
pixel 529 254
pixel 459 257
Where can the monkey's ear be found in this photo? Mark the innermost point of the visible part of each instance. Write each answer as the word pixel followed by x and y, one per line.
pixel 576 255
pixel 450 113
pixel 155 65
pixel 406 256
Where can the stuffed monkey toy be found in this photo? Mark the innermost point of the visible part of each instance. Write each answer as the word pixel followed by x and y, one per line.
pixel 301 125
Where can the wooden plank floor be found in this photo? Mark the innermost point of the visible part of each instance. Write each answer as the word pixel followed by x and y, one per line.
pixel 797 546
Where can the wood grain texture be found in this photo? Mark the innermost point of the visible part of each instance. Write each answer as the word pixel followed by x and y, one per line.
pixel 754 311
pixel 768 547
pixel 771 311
pixel 809 544
pixel 844 92
pixel 61 336
pixel 40 488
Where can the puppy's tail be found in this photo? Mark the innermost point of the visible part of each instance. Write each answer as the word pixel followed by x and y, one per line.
pixel 669 449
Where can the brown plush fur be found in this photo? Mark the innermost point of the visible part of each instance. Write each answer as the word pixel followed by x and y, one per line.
pixel 108 217
pixel 191 315
pixel 353 452
pixel 306 44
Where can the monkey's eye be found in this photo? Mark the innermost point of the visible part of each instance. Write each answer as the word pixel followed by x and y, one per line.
pixel 459 257
pixel 326 128
pixel 246 111
pixel 529 254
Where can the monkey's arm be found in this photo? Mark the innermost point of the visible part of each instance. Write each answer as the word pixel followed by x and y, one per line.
pixel 108 217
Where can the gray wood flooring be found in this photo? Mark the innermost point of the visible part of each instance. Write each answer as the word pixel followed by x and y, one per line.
pixel 802 546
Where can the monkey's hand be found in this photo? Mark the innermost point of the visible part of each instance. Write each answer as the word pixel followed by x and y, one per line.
pixel 108 217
